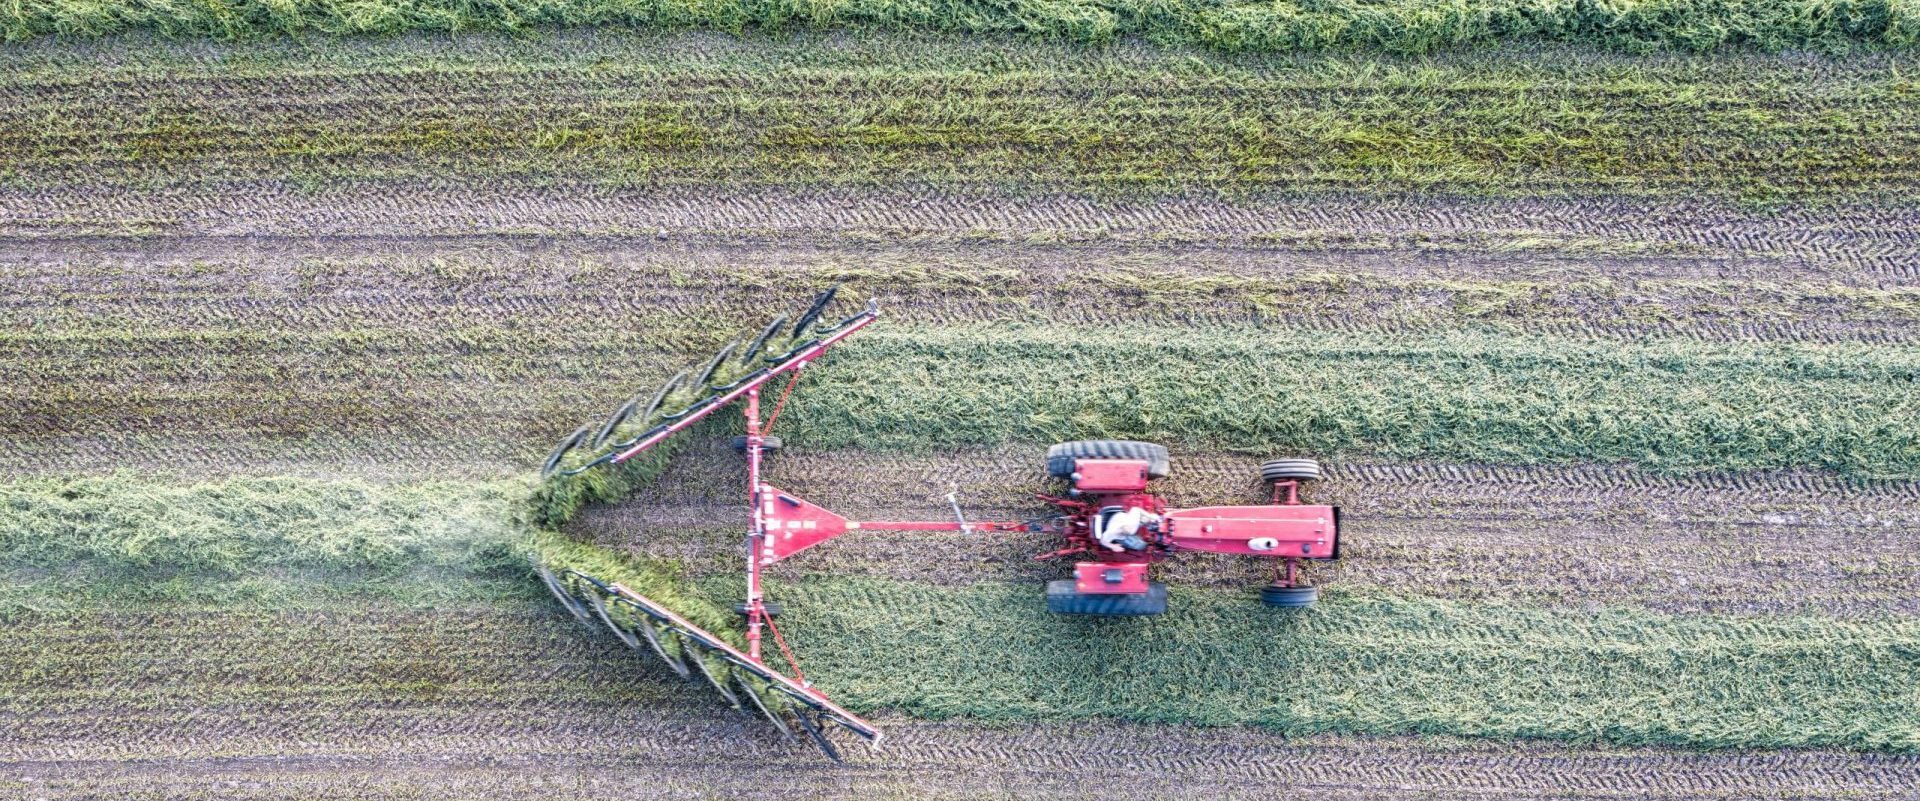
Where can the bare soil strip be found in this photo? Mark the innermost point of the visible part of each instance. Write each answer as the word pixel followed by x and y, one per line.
pixel 1574 535
pixel 384 703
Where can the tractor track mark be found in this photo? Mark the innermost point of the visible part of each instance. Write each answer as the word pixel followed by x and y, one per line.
pixel 1876 242
pixel 582 285
pixel 491 703
pixel 1579 535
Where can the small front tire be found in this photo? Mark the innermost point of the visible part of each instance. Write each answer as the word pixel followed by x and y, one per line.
pixel 1290 470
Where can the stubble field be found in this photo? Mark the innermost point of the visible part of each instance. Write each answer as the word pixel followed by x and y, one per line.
pixel 1610 357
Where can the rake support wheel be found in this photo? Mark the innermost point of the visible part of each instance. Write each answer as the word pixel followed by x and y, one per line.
pixel 1064 599
pixel 739 444
pixel 1289 597
pixel 772 608
pixel 1060 457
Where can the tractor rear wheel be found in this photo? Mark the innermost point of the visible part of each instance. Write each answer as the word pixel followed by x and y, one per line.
pixel 1064 598
pixel 767 444
pixel 1060 457
pixel 1289 597
pixel 1290 470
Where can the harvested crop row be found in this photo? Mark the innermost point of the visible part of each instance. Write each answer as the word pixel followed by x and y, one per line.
pixel 1575 537
pixel 1851 242
pixel 383 702
pixel 1402 26
pixel 409 300
pixel 860 112
pixel 1844 242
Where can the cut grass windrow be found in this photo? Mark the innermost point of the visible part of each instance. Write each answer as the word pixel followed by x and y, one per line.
pixel 1369 663
pixel 1401 26
pixel 1469 398
pixel 1364 661
pixel 612 112
pixel 1502 398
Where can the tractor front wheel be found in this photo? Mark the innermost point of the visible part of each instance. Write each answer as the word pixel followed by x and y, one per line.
pixel 1063 598
pixel 767 444
pixel 1289 597
pixel 1290 470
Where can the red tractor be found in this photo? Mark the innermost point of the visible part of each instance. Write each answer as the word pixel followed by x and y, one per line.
pixel 1116 528
pixel 1108 521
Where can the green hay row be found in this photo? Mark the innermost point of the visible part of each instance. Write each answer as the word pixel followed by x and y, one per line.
pixel 1403 26
pixel 1675 406
pixel 909 112
pixel 1362 663
pixel 248 526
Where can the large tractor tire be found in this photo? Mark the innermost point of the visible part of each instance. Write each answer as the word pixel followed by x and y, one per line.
pixel 1060 457
pixel 1064 599
pixel 1289 597
pixel 1290 469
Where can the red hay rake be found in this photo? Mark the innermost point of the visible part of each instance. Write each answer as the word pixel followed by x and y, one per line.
pixel 1107 519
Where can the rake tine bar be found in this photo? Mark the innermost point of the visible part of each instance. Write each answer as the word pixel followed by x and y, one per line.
pixel 600 607
pixel 566 598
pixel 700 662
pixel 819 737
pixel 706 375
pixel 696 644
pixel 772 330
pixel 754 697
pixel 813 312
pixel 661 396
pixel 619 416
pixel 553 459
pixel 679 668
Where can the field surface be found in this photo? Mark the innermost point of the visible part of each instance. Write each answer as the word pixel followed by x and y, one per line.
pixel 1611 358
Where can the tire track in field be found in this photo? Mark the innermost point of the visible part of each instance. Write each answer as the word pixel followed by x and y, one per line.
pixel 1577 535
pixel 571 289
pixel 1876 241
pixel 493 703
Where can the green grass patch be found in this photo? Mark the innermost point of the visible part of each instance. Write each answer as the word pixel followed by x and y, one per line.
pixel 1368 663
pixel 1466 397
pixel 1402 26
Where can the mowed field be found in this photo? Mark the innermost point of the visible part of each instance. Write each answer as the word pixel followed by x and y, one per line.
pixel 1611 358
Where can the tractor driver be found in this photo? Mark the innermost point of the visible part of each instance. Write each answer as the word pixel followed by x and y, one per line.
pixel 1122 530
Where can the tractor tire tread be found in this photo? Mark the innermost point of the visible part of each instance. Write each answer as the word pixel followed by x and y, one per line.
pixel 1061 456
pixel 1289 597
pixel 767 443
pixel 1294 469
pixel 1064 599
